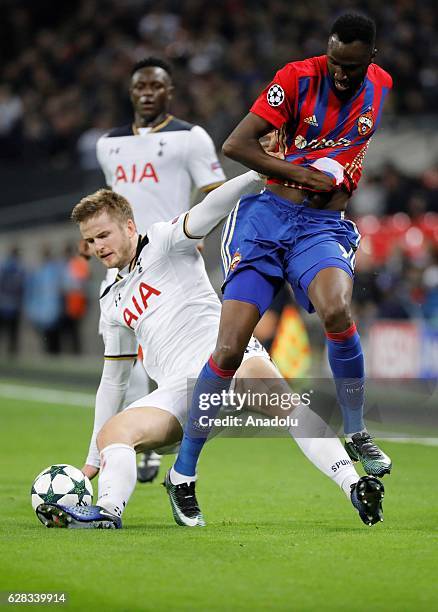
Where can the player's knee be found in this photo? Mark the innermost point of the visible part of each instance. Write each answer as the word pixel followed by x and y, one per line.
pixel 103 438
pixel 228 355
pixel 115 431
pixel 336 315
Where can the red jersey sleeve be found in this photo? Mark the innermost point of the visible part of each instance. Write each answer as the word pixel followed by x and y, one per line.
pixel 278 101
pixel 380 76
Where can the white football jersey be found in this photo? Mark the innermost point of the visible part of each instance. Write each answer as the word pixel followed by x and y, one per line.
pixel 165 303
pixel 156 169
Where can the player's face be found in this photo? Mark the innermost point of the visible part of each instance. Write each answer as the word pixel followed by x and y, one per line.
pixel 151 92
pixel 111 240
pixel 348 64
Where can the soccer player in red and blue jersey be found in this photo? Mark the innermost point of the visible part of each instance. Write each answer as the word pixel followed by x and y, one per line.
pixel 327 109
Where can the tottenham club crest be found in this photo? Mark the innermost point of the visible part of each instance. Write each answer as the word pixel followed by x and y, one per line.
pixel 275 95
pixel 365 123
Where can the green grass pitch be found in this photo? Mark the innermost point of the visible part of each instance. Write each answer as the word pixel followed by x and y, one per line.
pixel 280 535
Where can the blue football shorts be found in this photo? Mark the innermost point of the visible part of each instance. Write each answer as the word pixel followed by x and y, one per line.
pixel 279 240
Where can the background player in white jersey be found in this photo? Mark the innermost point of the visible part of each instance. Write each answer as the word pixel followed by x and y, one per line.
pixel 155 162
pixel 162 299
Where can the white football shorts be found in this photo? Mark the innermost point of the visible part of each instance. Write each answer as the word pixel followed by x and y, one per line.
pixel 173 395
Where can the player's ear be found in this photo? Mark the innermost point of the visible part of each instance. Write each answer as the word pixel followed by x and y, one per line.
pixel 130 225
pixel 373 54
pixel 170 89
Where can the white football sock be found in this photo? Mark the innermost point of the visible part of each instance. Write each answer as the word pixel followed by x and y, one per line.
pixel 323 448
pixel 154 459
pixel 176 478
pixel 117 479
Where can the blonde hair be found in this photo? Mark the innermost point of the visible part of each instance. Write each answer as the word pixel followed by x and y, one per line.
pixel 103 200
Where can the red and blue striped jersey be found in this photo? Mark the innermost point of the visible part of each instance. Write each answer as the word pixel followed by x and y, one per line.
pixel 317 122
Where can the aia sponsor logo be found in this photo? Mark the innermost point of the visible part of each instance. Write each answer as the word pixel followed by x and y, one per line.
pixel 135 174
pixel 365 123
pixel 139 303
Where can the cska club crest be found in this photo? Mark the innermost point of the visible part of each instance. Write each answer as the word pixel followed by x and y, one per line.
pixel 235 261
pixel 365 123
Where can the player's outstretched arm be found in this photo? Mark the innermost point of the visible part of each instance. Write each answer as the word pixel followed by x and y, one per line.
pixel 109 401
pixel 243 146
pixel 203 217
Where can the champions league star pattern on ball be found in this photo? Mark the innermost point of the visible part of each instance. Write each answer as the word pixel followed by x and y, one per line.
pixel 61 483
pixel 318 123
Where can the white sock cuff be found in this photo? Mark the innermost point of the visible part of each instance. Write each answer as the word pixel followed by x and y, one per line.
pixel 349 480
pixel 176 478
pixel 114 446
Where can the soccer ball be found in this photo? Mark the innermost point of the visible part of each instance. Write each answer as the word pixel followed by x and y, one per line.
pixel 63 484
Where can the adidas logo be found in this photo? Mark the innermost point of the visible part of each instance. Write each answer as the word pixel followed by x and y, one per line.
pixel 311 121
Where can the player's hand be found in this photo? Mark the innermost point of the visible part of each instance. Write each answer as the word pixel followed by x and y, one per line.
pixel 90 470
pixel 315 180
pixel 273 144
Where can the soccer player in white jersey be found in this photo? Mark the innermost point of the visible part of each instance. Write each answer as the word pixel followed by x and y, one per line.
pixel 162 299
pixel 155 163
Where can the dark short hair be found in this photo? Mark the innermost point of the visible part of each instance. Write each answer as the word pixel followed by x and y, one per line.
pixel 355 26
pixel 152 62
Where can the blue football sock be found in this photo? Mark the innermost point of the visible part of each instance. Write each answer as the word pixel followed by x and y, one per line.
pixel 347 364
pixel 206 403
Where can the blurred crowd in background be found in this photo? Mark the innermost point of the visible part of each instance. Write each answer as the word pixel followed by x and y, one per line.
pixel 65 72
pixel 64 82
pixel 52 296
